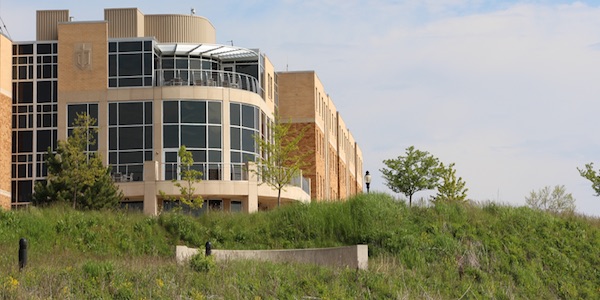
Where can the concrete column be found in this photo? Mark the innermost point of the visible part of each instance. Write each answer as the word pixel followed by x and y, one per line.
pixel 150 176
pixel 252 201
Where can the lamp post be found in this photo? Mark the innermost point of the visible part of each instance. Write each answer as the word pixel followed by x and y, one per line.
pixel 368 180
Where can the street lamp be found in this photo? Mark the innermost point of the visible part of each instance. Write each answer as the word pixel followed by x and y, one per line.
pixel 368 180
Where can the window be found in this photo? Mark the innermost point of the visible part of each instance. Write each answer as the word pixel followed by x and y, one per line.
pixel 34 114
pixel 197 124
pixel 130 63
pixel 130 138
pixel 246 122
pixel 90 109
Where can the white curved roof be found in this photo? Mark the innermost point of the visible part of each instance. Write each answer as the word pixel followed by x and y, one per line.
pixel 221 52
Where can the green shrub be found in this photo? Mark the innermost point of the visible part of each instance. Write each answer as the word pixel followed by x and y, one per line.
pixel 201 263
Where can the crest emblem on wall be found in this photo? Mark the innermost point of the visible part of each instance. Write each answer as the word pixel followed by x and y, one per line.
pixel 83 56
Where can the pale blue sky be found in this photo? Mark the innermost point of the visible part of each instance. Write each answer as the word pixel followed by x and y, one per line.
pixel 508 90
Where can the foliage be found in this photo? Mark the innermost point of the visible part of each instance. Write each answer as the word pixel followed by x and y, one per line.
pixel 446 251
pixel 280 158
pixel 201 263
pixel 416 171
pixel 590 174
pixel 556 200
pixel 75 175
pixel 189 176
pixel 451 189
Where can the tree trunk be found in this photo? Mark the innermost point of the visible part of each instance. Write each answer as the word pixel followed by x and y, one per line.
pixel 410 200
pixel 279 197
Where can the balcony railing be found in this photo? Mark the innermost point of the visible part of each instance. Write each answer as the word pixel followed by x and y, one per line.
pixel 210 171
pixel 207 78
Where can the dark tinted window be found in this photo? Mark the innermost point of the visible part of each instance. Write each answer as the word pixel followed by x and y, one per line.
pixel 193 112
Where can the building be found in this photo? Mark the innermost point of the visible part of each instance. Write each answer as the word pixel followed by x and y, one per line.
pixel 154 83
pixel 335 169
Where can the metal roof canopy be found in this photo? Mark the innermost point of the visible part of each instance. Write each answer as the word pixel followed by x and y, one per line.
pixel 220 52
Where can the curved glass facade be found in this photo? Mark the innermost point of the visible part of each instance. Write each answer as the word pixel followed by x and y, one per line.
pixel 197 125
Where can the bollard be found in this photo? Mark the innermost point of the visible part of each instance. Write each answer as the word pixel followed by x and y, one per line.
pixel 208 247
pixel 22 253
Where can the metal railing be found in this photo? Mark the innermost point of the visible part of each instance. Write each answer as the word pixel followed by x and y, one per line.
pixel 210 171
pixel 207 78
pixel 297 181
pixel 127 172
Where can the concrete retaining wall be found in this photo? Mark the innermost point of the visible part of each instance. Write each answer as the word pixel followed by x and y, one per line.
pixel 356 257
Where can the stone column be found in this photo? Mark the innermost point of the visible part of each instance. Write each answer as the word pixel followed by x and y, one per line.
pixel 151 173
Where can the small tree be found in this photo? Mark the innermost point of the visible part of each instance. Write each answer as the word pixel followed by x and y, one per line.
pixel 590 174
pixel 451 189
pixel 281 159
pixel 189 176
pixel 416 171
pixel 75 175
pixel 555 200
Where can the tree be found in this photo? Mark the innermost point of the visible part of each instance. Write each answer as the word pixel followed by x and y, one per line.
pixel 416 171
pixel 189 176
pixel 281 159
pixel 75 175
pixel 556 200
pixel 451 189
pixel 590 174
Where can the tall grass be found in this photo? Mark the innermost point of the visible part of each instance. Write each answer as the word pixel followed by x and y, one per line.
pixel 445 251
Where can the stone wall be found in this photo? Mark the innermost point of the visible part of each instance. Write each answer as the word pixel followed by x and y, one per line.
pixel 355 257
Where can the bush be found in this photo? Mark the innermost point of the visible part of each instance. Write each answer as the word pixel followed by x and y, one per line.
pixel 201 263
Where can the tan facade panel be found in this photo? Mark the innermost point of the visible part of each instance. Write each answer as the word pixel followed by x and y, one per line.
pixel 5 124
pixel 124 22
pixel 295 90
pixel 180 29
pixel 82 57
pixel 47 23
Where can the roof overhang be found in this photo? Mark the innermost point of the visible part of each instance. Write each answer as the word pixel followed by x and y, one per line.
pixel 220 52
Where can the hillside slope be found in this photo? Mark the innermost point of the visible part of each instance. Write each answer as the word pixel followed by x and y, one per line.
pixel 446 252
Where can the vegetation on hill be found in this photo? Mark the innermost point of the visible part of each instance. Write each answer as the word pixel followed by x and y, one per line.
pixel 447 251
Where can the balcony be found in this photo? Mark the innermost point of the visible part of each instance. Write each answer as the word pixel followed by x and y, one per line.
pixel 209 78
pixel 210 172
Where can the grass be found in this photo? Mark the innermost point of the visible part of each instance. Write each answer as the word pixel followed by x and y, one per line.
pixel 442 252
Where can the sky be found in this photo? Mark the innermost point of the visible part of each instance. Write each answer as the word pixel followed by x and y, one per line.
pixel 507 90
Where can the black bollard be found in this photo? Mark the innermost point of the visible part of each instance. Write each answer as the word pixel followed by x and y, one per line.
pixel 208 247
pixel 22 253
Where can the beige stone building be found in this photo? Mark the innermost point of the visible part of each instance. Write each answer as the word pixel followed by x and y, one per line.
pixel 155 83
pixel 335 167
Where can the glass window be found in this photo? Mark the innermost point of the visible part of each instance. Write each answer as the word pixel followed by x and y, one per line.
pixel 44 49
pixel 132 113
pixel 44 140
pixel 171 112
pixel 214 137
pixel 131 138
pixel 130 64
pixel 25 92
pixel 171 136
pixel 248 140
pixel 193 112
pixel 214 112
pixel 75 109
pixel 112 65
pixel 193 136
pixel 235 139
pixel 247 116
pixel 25 141
pixel 130 46
pixel 235 114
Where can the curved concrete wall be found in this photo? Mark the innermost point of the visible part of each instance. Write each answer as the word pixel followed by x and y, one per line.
pixel 180 29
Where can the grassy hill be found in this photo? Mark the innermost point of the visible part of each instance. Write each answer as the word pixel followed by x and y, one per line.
pixel 442 252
